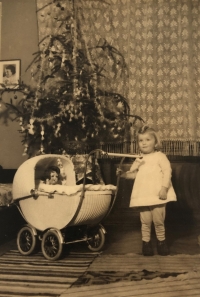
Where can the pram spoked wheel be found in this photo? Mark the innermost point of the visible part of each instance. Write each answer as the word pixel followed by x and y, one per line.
pixel 97 239
pixel 26 240
pixel 52 244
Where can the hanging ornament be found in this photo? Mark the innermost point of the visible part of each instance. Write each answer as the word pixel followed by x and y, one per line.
pixel 31 127
pixel 57 130
pixel 42 149
pixel 20 121
pixel 21 124
pixel 42 132
pixel 42 55
pixel 120 105
pixel 25 149
pixel 119 128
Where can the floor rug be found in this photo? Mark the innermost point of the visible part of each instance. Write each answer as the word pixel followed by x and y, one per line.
pixel 187 285
pixel 133 275
pixel 35 276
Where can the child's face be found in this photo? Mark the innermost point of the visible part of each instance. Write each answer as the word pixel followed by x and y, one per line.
pixel 53 178
pixel 146 143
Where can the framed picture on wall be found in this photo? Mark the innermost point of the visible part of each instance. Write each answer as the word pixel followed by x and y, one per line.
pixel 10 74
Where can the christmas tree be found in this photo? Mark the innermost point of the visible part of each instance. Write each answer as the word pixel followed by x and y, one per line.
pixel 67 104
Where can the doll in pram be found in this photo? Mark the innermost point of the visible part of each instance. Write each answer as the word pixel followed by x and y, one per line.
pixel 58 214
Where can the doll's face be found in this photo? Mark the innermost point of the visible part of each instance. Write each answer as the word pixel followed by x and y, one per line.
pixel 53 178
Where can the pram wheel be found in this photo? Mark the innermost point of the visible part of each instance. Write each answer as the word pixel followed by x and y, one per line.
pixel 97 239
pixel 52 244
pixel 26 240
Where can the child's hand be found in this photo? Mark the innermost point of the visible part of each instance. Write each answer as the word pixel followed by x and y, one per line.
pixel 136 164
pixel 119 172
pixel 163 193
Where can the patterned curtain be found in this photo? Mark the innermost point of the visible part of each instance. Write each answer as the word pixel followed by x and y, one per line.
pixel 160 40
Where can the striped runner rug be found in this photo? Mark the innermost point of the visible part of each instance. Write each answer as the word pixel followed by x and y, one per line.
pixel 35 276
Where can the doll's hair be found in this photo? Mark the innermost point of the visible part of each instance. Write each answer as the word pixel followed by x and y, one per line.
pixel 49 170
pixel 154 133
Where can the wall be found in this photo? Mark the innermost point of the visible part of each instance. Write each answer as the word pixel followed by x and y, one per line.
pixel 19 41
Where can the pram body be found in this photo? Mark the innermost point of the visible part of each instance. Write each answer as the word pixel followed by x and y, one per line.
pixel 59 214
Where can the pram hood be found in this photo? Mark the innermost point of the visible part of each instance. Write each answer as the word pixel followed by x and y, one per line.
pixel 30 173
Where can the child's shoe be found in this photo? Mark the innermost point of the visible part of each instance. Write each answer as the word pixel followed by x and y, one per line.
pixel 162 248
pixel 147 249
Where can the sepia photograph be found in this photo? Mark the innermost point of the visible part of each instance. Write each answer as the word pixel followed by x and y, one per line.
pixel 10 74
pixel 99 148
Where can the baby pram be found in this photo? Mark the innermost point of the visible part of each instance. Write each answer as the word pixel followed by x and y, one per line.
pixel 59 214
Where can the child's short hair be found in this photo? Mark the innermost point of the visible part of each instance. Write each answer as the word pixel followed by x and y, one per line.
pixel 147 129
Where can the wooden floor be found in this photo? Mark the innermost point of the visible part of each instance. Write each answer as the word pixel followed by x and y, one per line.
pixel 119 271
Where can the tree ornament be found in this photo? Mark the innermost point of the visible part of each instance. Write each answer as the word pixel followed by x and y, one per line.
pixel 25 149
pixel 42 149
pixel 57 130
pixel 42 55
pixel 120 105
pixel 31 127
pixel 42 132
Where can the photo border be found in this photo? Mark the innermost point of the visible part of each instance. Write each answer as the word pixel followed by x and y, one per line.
pixel 17 64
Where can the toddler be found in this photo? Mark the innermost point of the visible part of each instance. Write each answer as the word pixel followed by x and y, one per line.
pixel 152 189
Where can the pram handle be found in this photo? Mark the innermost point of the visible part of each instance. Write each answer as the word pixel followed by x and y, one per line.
pixel 122 155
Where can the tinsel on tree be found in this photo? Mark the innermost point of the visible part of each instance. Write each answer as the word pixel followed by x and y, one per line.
pixel 66 102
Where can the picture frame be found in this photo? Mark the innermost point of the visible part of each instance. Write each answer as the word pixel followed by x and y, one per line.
pixel 10 71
